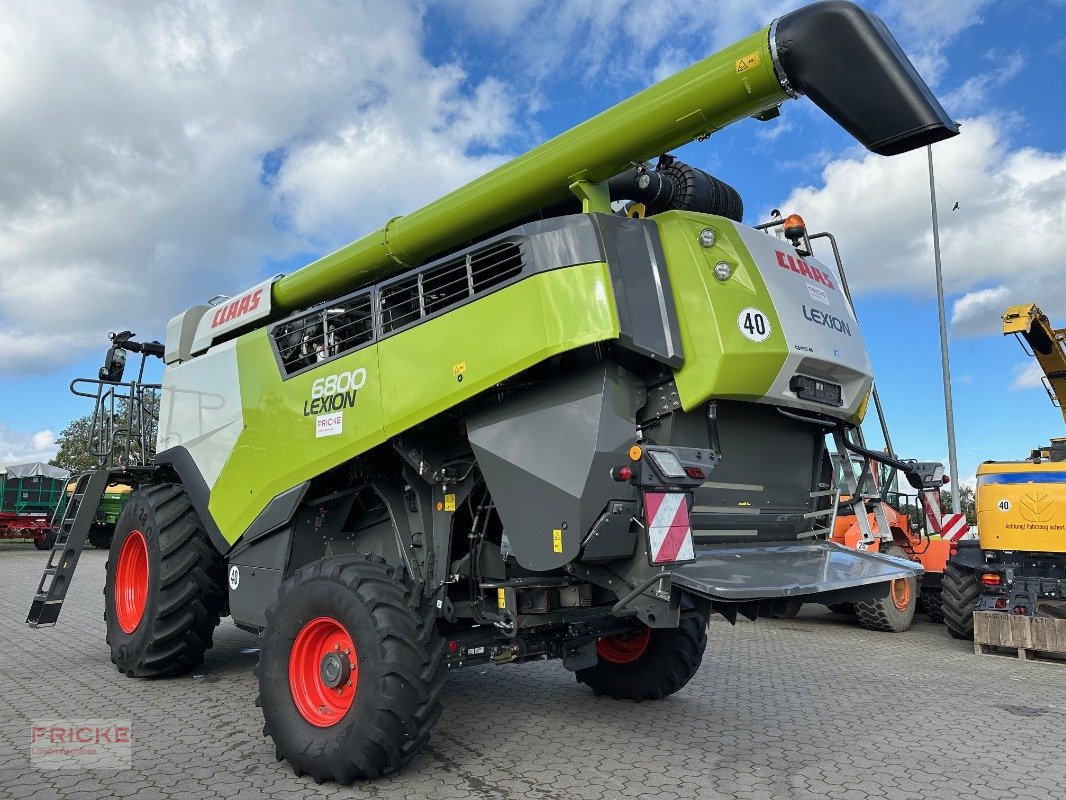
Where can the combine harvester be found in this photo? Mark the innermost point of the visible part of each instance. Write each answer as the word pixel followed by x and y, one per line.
pixel 1014 575
pixel 474 435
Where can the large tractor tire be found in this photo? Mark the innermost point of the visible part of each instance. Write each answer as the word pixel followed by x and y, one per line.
pixel 100 535
pixel 893 610
pixel 649 665
pixel 960 594
pixel 350 670
pixel 164 588
pixel 933 601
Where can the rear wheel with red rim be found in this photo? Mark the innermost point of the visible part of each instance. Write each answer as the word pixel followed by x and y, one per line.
pixel 624 649
pixel 649 663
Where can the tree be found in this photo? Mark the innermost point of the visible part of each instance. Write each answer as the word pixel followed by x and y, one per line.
pixel 967 502
pixel 74 452
pixel 74 447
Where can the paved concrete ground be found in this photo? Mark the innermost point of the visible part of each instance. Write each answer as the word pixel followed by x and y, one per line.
pixel 808 708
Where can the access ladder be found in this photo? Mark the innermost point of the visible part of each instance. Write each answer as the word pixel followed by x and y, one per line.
pixel 73 528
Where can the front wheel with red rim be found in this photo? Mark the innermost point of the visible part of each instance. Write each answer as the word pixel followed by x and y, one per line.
pixel 163 586
pixel 131 581
pixel 649 663
pixel 350 669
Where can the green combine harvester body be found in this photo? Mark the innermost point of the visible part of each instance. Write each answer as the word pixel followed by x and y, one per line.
pixel 518 423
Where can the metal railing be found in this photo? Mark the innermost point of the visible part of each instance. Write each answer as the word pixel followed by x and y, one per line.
pixel 125 421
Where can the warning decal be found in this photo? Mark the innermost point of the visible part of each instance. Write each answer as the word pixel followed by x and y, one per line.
pixel 669 529
pixel 748 62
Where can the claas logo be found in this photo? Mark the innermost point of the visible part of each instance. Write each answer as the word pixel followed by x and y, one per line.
pixel 238 308
pixel 798 265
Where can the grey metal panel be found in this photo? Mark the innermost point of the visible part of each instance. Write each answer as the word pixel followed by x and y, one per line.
pixel 646 314
pixel 770 465
pixel 256 591
pixel 270 551
pixel 561 242
pixel 277 512
pixel 761 571
pixel 546 455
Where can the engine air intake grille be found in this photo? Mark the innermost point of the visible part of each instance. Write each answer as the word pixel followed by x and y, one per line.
pixel 324 333
pixel 409 299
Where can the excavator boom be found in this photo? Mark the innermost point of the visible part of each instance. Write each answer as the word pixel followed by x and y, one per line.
pixel 1032 327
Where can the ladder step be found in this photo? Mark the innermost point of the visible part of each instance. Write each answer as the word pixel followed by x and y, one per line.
pixel 66 549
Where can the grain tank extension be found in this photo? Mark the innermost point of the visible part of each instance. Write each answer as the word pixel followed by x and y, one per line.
pixel 516 424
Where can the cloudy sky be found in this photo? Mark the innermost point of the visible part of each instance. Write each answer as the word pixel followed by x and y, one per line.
pixel 156 154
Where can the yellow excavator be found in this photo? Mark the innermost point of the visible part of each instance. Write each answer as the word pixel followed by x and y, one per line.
pixel 1018 563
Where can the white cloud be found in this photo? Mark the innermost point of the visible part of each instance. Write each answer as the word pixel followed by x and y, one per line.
pixel 134 137
pixel 18 447
pixel 591 39
pixel 971 96
pixel 977 313
pixel 1027 375
pixel 1005 233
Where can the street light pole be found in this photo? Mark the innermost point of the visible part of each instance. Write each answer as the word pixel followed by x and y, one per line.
pixel 949 411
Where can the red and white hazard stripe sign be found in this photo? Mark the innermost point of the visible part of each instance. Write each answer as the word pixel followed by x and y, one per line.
pixel 950 526
pixel 954 527
pixel 931 504
pixel 669 529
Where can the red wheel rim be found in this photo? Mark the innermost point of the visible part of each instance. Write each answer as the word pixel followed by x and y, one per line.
pixel 623 649
pixel 131 582
pixel 317 701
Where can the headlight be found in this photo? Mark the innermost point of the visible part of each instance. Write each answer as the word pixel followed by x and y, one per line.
pixel 667 463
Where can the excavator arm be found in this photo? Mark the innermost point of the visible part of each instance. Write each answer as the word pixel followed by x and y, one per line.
pixel 1033 329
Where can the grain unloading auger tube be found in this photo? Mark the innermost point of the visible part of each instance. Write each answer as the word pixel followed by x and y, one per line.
pixel 840 56
pixel 516 425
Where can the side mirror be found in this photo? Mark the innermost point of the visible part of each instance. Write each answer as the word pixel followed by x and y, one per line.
pixel 114 365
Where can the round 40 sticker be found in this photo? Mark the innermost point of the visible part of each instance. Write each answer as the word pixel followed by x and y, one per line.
pixel 754 324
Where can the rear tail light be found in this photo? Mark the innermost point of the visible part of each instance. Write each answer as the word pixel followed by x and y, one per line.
pixel 622 474
pixel 1001 602
pixel 1021 610
pixel 667 463
pixel 695 472
pixel 991 579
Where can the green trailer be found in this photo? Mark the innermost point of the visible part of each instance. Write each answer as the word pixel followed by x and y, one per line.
pixel 29 495
pixel 567 411
pixel 107 512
